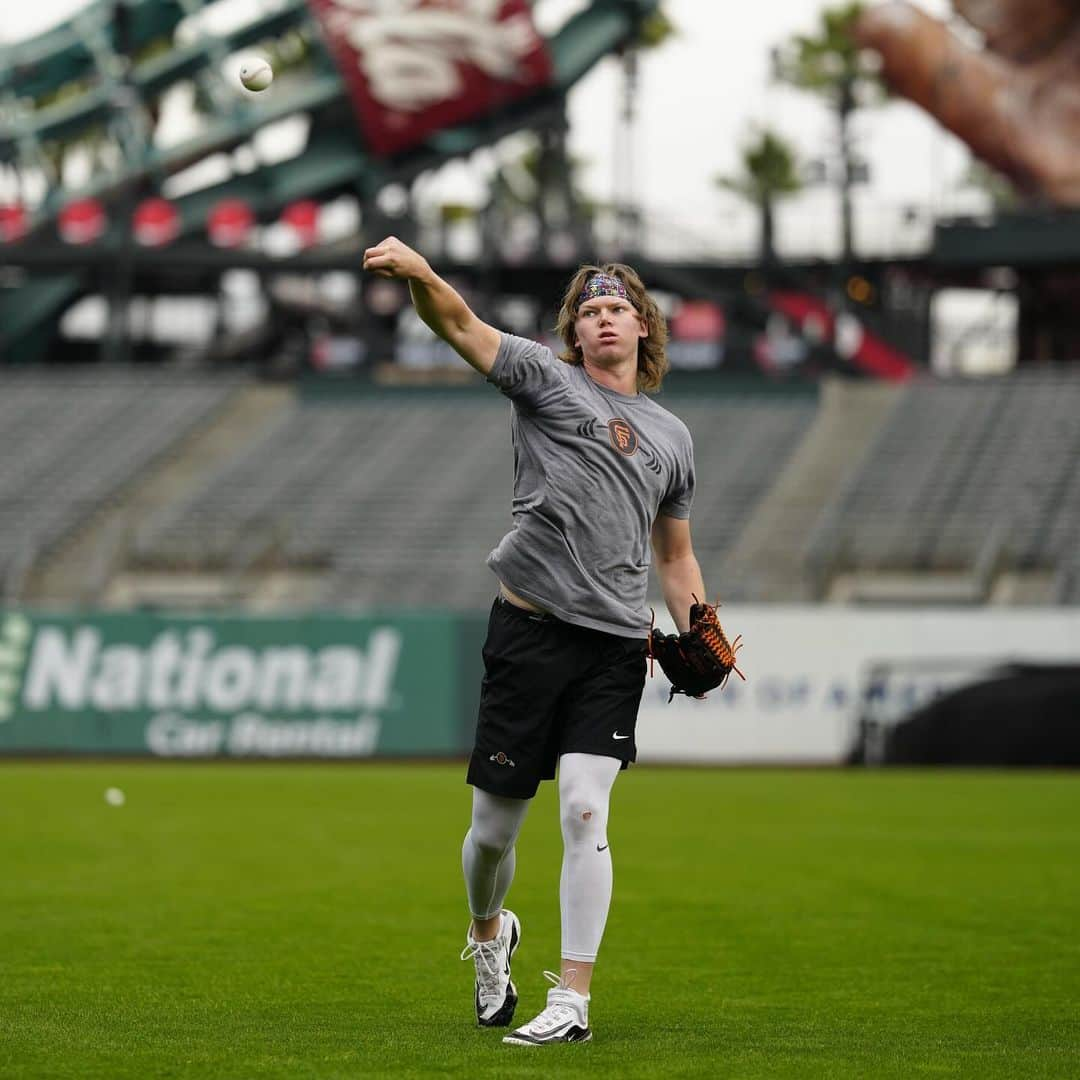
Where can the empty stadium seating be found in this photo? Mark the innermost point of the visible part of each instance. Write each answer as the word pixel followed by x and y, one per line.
pixel 394 498
pixel 963 473
pixel 740 445
pixel 400 499
pixel 69 441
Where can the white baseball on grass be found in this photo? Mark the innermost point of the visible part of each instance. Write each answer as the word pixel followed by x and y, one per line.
pixel 114 796
pixel 256 74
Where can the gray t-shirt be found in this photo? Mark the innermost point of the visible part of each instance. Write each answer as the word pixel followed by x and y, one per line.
pixel 592 471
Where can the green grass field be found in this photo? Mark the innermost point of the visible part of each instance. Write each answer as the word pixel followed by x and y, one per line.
pixel 295 921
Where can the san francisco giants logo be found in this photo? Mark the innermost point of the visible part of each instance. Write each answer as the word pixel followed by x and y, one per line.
pixel 623 437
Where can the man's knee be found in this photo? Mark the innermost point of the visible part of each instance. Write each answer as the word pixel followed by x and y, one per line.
pixel 582 814
pixel 490 840
pixel 495 824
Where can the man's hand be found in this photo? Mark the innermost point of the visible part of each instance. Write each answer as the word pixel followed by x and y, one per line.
pixel 393 259
pixel 1016 104
pixel 698 659
pixel 440 306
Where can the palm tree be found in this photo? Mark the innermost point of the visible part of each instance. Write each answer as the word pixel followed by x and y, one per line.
pixel 830 63
pixel 543 179
pixel 770 171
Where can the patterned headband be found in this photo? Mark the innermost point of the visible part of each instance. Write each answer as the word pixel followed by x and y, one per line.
pixel 602 285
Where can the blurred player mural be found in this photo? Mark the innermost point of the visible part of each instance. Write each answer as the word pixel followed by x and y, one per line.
pixel 1015 103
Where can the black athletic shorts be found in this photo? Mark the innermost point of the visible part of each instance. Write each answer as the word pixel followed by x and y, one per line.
pixel 551 688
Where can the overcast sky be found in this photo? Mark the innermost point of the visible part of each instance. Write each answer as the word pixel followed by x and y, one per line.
pixel 714 76
pixel 699 95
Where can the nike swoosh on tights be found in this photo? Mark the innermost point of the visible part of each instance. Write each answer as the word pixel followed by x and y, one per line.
pixel 599 848
pixel 616 735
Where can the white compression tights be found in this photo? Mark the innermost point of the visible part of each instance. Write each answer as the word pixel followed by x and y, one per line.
pixel 487 856
pixel 585 782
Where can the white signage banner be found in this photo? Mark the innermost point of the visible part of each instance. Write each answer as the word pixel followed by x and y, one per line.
pixel 808 668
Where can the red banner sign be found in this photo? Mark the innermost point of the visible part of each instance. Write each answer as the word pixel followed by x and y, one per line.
pixel 414 67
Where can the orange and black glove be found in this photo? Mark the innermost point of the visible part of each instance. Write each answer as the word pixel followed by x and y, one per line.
pixel 699 659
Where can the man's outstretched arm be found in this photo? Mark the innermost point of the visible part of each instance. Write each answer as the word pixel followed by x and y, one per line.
pixel 440 306
pixel 677 568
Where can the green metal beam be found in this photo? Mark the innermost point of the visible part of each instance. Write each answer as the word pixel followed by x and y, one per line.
pixel 69 119
pixel 42 64
pixel 334 160
pixel 603 27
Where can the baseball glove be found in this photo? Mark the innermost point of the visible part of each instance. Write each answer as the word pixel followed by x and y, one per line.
pixel 699 659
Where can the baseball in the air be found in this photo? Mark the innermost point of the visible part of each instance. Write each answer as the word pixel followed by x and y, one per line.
pixel 256 74
pixel 114 796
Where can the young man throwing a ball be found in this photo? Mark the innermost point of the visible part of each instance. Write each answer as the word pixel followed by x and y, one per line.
pixel 601 471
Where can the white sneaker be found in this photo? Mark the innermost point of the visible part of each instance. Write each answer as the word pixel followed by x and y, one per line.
pixel 496 995
pixel 565 1020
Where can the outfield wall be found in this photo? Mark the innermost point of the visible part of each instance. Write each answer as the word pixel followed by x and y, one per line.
pixel 809 671
pixel 407 683
pixel 212 686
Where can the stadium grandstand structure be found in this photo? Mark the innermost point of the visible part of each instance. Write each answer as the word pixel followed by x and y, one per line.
pixel 103 74
pixel 967 482
pixel 398 500
pixel 72 441
pixel 136 490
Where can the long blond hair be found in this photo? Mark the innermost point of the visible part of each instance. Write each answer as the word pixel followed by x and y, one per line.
pixel 652 363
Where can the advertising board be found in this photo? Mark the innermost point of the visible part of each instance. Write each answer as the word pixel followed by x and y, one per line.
pixel 233 686
pixel 808 671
